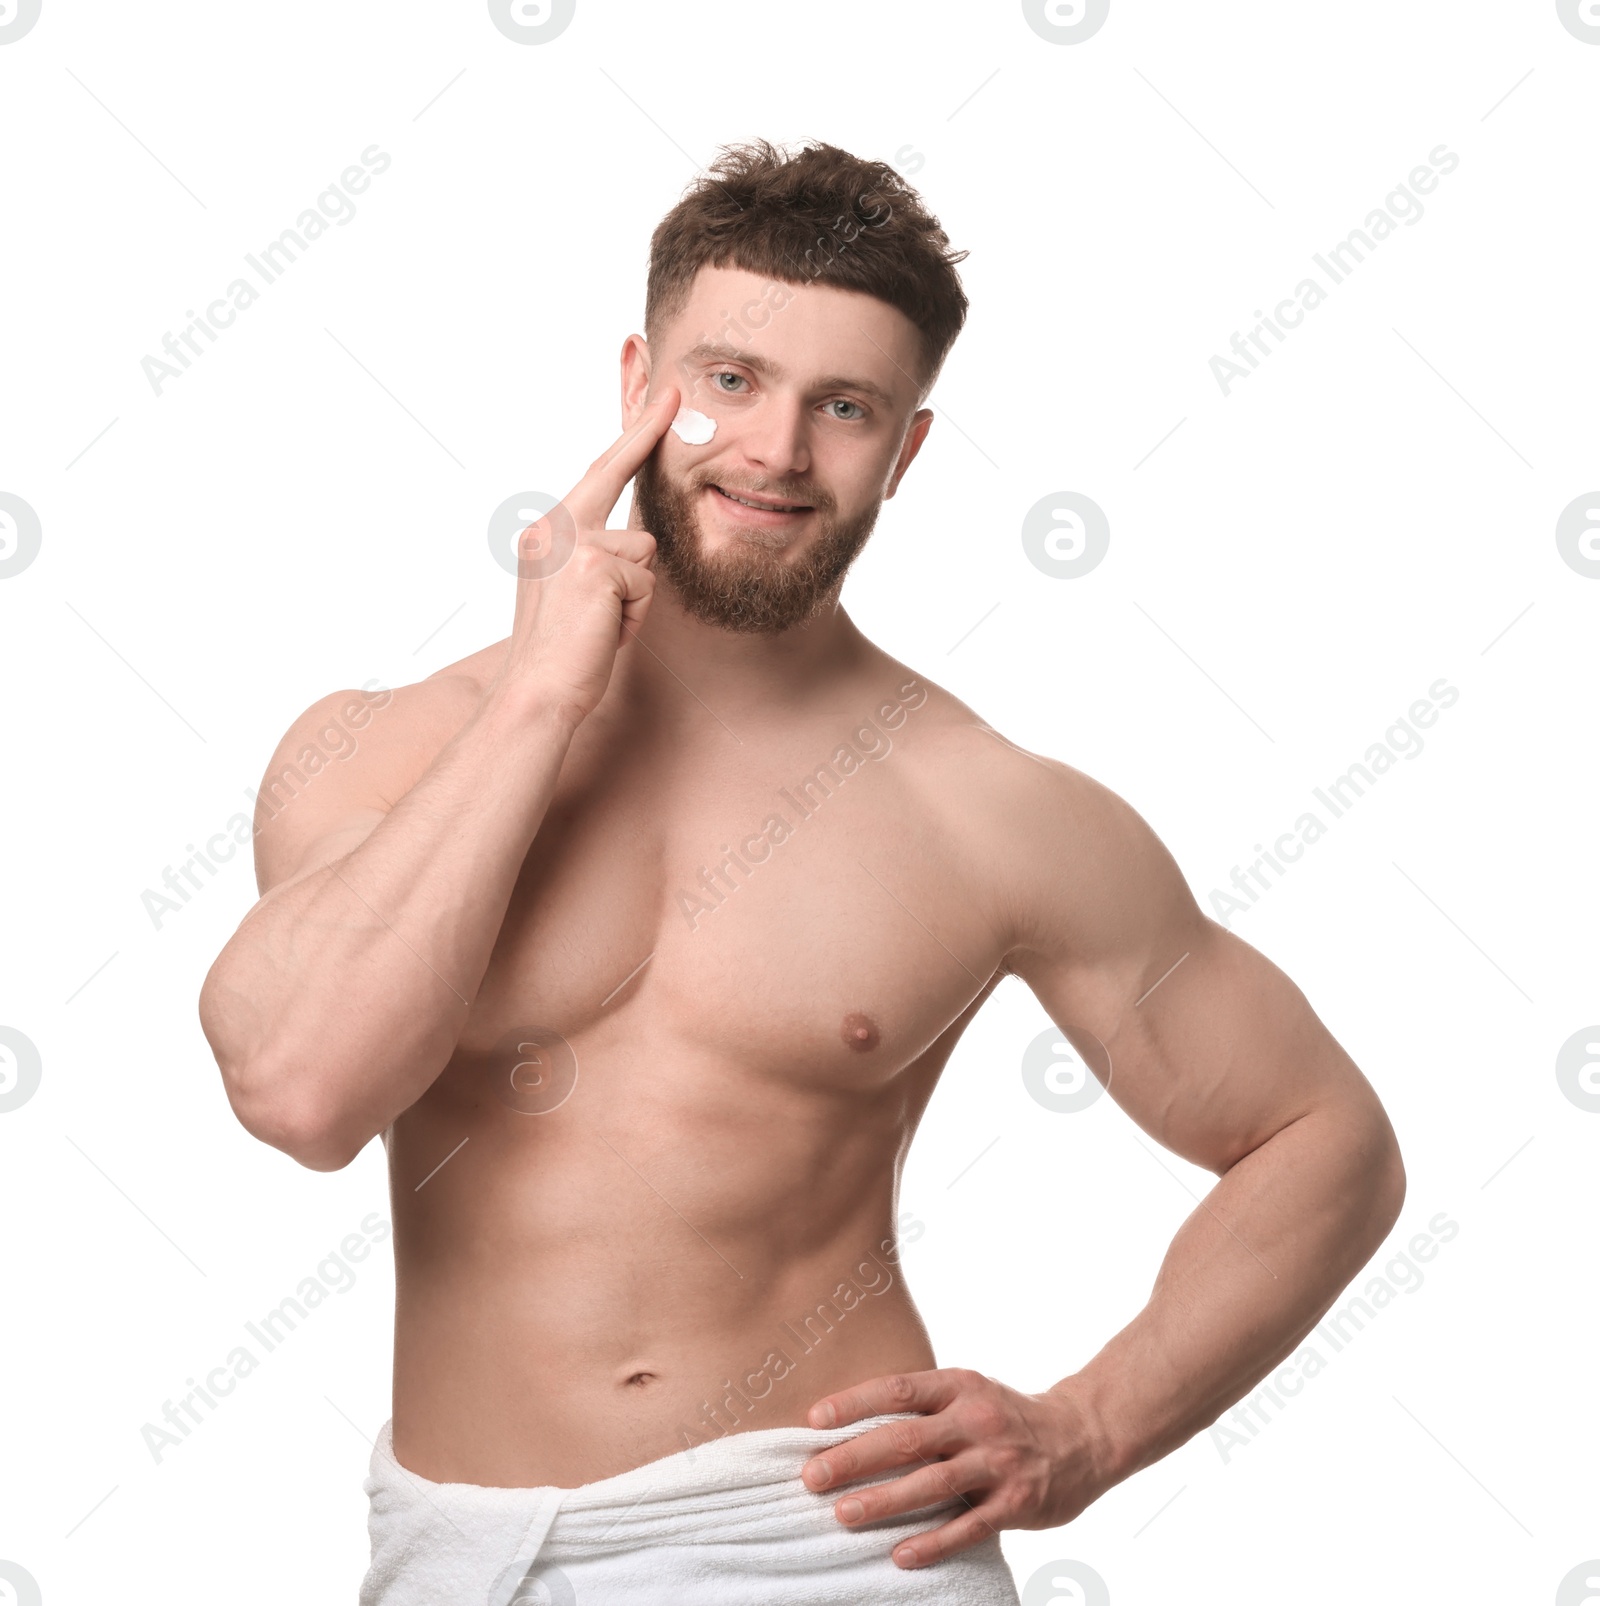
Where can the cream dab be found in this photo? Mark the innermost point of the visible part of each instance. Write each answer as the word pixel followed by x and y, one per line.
pixel 692 428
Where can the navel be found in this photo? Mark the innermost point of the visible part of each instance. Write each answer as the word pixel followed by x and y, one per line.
pixel 860 1032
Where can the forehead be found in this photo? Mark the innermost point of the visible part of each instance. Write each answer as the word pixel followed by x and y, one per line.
pixel 812 333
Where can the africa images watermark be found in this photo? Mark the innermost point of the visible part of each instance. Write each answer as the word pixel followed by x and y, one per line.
pixel 267 1334
pixel 1401 740
pixel 776 294
pixel 1401 205
pixel 513 516
pixel 334 743
pixel 870 1277
pixel 336 204
pixel 1338 1329
pixel 868 742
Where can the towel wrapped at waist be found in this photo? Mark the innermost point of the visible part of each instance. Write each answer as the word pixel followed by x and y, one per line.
pixel 728 1520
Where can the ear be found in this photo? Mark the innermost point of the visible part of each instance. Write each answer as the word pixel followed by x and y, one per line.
pixel 915 435
pixel 635 378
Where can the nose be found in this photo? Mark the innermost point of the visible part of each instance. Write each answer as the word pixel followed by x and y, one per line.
pixel 773 437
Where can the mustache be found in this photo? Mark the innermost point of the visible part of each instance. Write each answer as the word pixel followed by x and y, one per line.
pixel 806 495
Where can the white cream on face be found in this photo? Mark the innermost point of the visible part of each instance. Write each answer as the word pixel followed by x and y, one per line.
pixel 692 428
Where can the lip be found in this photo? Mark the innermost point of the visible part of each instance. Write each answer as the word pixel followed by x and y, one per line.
pixel 769 518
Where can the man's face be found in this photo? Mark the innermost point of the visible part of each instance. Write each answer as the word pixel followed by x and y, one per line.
pixel 813 391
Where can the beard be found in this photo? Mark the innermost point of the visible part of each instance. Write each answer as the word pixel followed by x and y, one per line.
pixel 750 586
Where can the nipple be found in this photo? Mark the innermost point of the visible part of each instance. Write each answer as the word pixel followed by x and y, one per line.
pixel 860 1032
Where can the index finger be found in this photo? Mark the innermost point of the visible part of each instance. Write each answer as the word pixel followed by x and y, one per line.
pixel 900 1391
pixel 591 500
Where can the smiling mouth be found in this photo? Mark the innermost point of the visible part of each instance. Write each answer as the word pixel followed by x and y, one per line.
pixel 762 504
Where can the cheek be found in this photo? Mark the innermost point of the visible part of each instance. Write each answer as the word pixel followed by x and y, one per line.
pixel 859 478
pixel 693 427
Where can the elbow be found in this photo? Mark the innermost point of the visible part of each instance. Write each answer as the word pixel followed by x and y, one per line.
pixel 299 1125
pixel 1396 1183
pixel 318 1146
pixel 274 1101
pixel 1388 1177
pixel 307 1136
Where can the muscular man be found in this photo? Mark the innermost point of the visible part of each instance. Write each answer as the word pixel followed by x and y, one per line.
pixel 641 938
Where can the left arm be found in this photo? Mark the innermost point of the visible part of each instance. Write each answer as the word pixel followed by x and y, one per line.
pixel 1218 1056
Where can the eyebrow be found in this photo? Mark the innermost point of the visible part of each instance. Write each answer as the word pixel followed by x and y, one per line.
pixel 716 351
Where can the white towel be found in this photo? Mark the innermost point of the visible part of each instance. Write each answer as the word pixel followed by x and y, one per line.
pixel 726 1521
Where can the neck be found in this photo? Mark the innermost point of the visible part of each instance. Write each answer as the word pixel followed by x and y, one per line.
pixel 677 664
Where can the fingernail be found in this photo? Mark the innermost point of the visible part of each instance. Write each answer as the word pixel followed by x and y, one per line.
pixel 822 1415
pixel 850 1510
pixel 906 1556
pixel 819 1472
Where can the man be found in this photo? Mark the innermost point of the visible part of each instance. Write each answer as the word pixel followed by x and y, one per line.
pixel 642 936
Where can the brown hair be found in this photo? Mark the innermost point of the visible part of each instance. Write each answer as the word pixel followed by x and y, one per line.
pixel 820 216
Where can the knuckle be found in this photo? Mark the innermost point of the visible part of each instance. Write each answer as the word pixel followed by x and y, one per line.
pixel 986 1416
pixel 959 1535
pixel 932 1547
pixel 899 1388
pixel 1005 1506
pixel 905 1438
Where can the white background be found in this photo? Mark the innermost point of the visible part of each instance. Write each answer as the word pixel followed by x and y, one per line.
pixel 1290 568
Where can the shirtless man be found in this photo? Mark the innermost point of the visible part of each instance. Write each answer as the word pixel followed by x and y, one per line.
pixel 643 952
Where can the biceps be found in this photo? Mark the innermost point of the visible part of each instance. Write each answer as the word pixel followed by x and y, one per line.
pixel 1208 1046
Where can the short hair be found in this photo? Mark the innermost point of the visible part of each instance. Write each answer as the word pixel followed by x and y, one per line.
pixel 819 216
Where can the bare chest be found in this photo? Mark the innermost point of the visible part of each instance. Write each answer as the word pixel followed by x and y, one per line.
pixel 814 922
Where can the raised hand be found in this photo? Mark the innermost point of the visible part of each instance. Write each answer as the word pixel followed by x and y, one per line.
pixel 580 586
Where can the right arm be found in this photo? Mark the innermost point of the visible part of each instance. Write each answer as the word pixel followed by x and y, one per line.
pixel 340 998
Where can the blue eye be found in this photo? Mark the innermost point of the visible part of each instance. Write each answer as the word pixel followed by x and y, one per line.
pixel 843 402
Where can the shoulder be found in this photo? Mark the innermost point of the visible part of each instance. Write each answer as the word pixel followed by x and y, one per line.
pixel 1071 864
pixel 956 751
pixel 348 758
pixel 376 726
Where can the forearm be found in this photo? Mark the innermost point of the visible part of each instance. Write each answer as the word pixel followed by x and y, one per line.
pixel 340 999
pixel 1249 1274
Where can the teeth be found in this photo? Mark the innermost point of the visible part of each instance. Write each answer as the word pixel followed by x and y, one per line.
pixel 761 507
